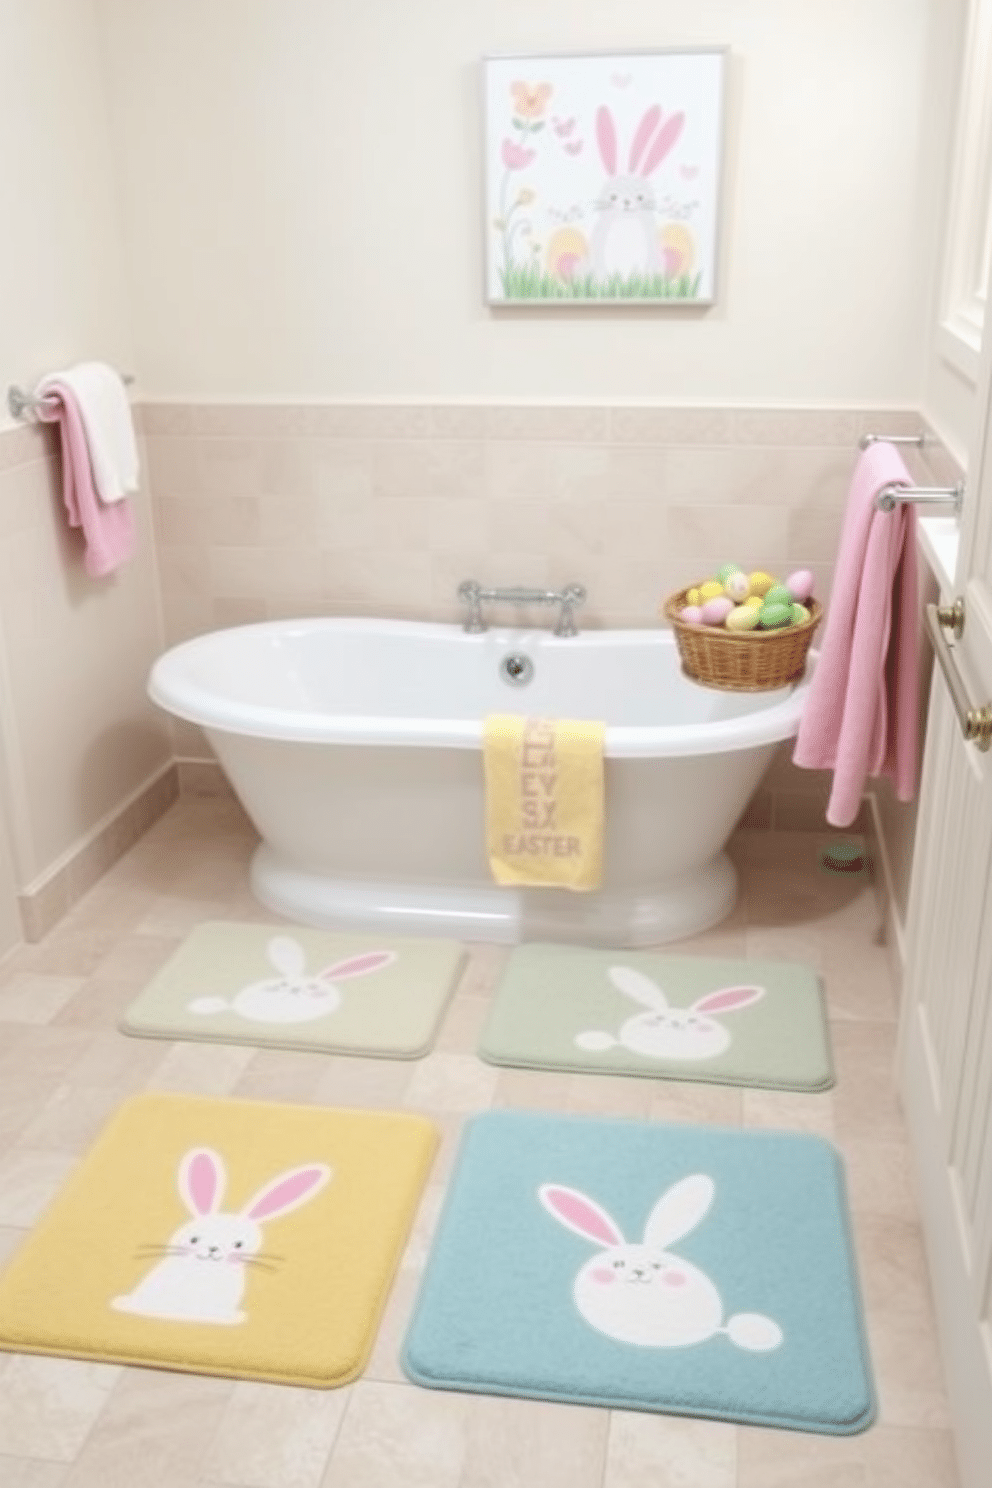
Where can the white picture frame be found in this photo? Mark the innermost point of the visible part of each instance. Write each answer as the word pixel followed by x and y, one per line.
pixel 602 177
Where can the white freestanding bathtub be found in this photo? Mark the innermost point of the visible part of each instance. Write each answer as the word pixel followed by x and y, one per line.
pixel 355 748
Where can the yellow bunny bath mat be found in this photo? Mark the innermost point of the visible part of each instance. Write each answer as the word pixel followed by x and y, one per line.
pixel 544 801
pixel 228 1237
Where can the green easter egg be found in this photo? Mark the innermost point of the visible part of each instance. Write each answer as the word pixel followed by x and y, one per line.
pixel 774 616
pixel 799 614
pixel 725 570
pixel 778 594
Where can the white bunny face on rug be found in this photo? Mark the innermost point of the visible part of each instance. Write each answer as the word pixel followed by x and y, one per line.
pixel 666 1032
pixel 293 995
pixel 642 1293
pixel 201 1278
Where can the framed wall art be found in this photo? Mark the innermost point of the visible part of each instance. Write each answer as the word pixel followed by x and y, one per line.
pixel 602 177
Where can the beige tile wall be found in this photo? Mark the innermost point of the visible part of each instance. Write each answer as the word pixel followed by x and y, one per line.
pixel 85 760
pixel 270 511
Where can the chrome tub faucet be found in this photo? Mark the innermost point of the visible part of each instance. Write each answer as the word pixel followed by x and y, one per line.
pixel 568 599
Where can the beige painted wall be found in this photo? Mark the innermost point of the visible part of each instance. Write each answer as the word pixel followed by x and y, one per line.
pixel 62 275
pixel 302 203
pixel 77 737
pixel 278 201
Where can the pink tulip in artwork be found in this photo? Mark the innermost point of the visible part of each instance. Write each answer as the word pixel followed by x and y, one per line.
pixel 515 157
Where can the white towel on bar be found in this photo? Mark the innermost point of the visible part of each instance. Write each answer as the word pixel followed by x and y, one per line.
pixel 104 408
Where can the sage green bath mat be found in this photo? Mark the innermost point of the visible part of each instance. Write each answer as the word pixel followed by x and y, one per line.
pixel 734 1022
pixel 300 989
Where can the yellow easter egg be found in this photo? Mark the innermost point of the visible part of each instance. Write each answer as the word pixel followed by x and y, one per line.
pixel 710 589
pixel 755 601
pixel 743 617
pixel 693 597
pixel 760 582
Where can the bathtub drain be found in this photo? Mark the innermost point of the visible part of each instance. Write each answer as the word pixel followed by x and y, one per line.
pixel 516 669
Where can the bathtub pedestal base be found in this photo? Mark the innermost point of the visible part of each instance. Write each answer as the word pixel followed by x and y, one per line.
pixel 664 912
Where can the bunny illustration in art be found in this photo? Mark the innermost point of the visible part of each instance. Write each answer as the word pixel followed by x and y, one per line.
pixel 666 1032
pixel 643 1293
pixel 294 995
pixel 625 238
pixel 201 1277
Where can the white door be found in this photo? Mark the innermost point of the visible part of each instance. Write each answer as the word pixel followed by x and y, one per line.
pixel 945 1050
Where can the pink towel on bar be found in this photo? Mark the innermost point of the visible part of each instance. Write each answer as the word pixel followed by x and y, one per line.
pixel 108 530
pixel 862 714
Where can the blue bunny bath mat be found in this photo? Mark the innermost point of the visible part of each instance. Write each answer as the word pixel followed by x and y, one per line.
pixel 691 1270
pixel 736 1022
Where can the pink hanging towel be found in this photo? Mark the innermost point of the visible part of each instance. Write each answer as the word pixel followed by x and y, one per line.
pixel 109 531
pixel 862 714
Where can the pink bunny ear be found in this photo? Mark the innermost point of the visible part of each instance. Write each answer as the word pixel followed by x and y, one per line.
pixel 663 142
pixel 645 130
pixel 579 1213
pixel 357 965
pixel 201 1180
pixel 727 999
pixel 288 1191
pixel 606 136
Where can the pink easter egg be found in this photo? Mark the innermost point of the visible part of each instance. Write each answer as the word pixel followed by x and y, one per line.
pixel 716 610
pixel 691 614
pixel 800 585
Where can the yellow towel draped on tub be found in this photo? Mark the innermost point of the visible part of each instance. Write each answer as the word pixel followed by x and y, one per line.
pixel 544 800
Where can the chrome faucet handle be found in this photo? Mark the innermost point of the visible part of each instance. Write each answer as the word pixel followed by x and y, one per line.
pixel 470 592
pixel 571 596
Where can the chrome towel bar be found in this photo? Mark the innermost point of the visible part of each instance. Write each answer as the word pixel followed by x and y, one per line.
pixel 918 439
pixel 976 723
pixel 23 405
pixel 893 495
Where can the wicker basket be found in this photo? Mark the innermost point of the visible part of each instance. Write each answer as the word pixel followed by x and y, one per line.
pixel 742 661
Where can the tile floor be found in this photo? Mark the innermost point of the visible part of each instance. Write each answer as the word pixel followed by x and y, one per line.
pixel 64 1068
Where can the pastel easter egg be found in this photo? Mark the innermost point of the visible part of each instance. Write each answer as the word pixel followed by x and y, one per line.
pixel 736 586
pixel 778 594
pixel 691 614
pixel 799 613
pixel 755 601
pixel 725 570
pixel 800 585
pixel 743 617
pixel 716 610
pixel 710 589
pixel 693 597
pixel 760 582
pixel 774 616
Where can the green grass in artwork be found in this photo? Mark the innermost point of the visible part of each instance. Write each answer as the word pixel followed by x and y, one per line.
pixel 532 283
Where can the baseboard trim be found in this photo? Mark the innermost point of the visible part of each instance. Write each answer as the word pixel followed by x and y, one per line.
pixel 45 901
pixel 201 777
pixel 895 934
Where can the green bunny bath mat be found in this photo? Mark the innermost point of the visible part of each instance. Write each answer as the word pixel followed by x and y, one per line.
pixel 743 1022
pixel 300 989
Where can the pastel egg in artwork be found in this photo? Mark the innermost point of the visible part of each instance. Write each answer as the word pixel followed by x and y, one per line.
pixel 691 614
